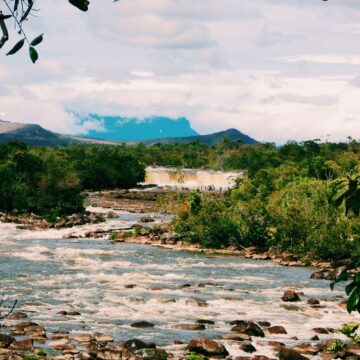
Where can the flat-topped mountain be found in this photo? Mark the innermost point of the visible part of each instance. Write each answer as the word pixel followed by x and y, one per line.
pixel 117 128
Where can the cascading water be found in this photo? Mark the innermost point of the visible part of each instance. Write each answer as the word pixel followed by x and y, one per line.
pixel 191 178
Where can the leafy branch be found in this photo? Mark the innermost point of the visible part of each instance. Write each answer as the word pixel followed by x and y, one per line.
pixel 19 12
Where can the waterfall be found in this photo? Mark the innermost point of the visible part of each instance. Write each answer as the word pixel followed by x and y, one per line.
pixel 190 178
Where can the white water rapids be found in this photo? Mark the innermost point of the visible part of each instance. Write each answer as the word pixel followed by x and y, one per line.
pixel 113 285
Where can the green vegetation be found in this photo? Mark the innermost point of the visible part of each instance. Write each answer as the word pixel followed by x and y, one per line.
pixel 50 181
pixel 350 330
pixel 337 345
pixel 288 198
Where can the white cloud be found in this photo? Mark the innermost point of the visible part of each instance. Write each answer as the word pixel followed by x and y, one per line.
pixel 257 66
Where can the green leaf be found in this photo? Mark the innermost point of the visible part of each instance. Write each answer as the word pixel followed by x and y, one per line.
pixel 349 288
pixel 17 47
pixel 33 54
pixel 37 40
pixel 353 300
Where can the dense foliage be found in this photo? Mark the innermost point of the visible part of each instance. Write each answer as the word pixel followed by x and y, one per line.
pixel 49 181
pixel 287 198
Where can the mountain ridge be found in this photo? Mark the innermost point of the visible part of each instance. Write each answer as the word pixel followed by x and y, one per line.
pixel 35 135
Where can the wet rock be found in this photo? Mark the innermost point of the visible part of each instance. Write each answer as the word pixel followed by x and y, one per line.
pixel 249 328
pixel 6 340
pixel 26 345
pixel 315 338
pixel 63 312
pixel 73 313
pixel 197 302
pixel 318 275
pixel 289 354
pixel 191 327
pixel 277 330
pixel 306 348
pixel 204 321
pixel 320 331
pixel 332 275
pixel 103 337
pixel 130 286
pixel 247 347
pixel 236 337
pixel 277 345
pixel 184 286
pixel 17 316
pixel 136 344
pixel 149 354
pixel 264 323
pixel 207 347
pixel 313 302
pixel 290 296
pixel 146 219
pixel 142 324
pixel 84 338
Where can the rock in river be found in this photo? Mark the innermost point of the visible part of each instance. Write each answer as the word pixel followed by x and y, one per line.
pixel 142 324
pixel 207 347
pixel 290 296
pixel 289 354
pixel 249 328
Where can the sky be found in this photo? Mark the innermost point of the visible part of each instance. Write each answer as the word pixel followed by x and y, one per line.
pixel 276 70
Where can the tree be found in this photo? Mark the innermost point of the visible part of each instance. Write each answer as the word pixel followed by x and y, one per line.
pixel 18 12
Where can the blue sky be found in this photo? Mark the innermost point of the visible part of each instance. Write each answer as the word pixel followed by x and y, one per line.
pixel 275 69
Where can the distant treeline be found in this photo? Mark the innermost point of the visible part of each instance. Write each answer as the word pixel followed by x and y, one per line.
pixel 50 181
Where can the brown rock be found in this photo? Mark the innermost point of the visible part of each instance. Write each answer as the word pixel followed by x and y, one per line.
pixel 318 275
pixel 204 321
pixel 22 345
pixel 207 347
pixel 276 345
pixel 6 340
pixel 313 301
pixel 192 327
pixel 17 316
pixel 249 328
pixel 236 337
pixel 142 324
pixel 320 331
pixel 332 275
pixel 306 348
pixel 289 354
pixel 73 313
pixel 103 337
pixel 247 347
pixel 290 296
pixel 136 344
pixel 264 323
pixel 277 330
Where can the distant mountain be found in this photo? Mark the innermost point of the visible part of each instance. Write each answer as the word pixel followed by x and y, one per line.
pixel 211 139
pixel 116 128
pixel 31 134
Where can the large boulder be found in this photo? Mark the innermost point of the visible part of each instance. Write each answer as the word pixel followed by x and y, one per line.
pixel 207 347
pixel 249 328
pixel 277 330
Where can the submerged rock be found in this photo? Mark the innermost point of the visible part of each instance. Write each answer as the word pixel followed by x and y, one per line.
pixel 137 344
pixel 207 347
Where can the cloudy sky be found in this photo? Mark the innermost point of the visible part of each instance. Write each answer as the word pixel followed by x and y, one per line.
pixel 274 69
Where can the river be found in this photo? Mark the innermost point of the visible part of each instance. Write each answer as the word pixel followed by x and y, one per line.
pixel 114 285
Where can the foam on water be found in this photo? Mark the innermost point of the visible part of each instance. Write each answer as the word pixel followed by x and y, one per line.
pixel 115 285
